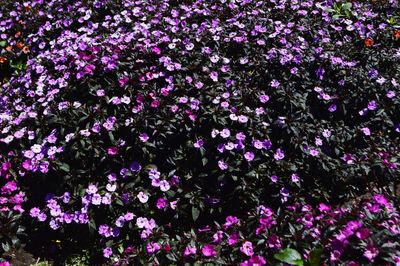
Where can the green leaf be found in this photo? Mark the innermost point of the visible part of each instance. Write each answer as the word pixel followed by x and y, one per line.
pixel 346 6
pixel 195 213
pixel 65 167
pixel 289 256
pixel 5 246
pixel 2 43
pixel 315 257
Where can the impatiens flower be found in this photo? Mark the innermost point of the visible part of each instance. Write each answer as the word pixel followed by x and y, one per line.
pixel 153 247
pixel 222 165
pixel 162 203
pixel 143 197
pixel 189 250
pixel 199 143
pixel 372 105
pixel 112 151
pixel 34 212
pixel 279 155
pixel 371 252
pixel 275 83
pixel 225 133
pixel 254 261
pixel 233 238
pixel 164 185
pixel 274 242
pixel 135 166
pixel 314 152
pixel 209 250
pixel 107 252
pixel 143 137
pixel 247 248
pixel 249 156
pixel 366 131
pixel 217 237
pixel 348 158
pixel 230 220
pixel 264 98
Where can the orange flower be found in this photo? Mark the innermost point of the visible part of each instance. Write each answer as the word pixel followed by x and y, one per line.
pixel 397 34
pixel 17 34
pixel 2 60
pixel 20 45
pixel 9 48
pixel 28 8
pixel 368 42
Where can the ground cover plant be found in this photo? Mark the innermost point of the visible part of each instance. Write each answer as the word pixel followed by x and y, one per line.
pixel 218 132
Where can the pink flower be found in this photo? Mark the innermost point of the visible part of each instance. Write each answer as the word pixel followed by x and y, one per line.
pixel 217 237
pixel 189 250
pixel 366 131
pixel 209 250
pixel 156 50
pixel 247 248
pixel 112 151
pixel 371 252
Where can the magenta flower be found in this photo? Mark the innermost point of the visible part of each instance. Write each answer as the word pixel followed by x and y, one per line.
pixel 112 151
pixel 189 250
pixel 153 247
pixel 209 250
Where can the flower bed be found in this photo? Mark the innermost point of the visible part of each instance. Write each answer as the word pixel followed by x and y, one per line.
pixel 131 130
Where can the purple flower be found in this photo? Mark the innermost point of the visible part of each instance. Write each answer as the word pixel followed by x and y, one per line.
pixel 279 155
pixel 34 212
pixel 247 248
pixel 275 83
pixel 264 98
pixel 143 137
pixel 135 166
pixel 372 105
pixel 222 165
pixel 249 156
pixel 107 252
pixel 199 143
